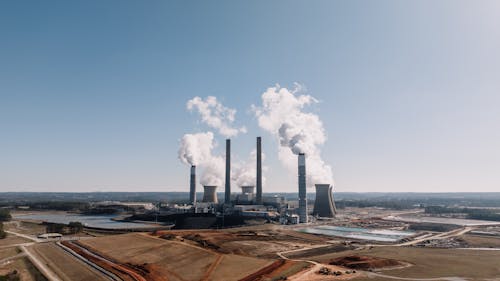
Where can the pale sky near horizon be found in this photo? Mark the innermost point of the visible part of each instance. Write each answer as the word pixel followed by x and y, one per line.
pixel 93 93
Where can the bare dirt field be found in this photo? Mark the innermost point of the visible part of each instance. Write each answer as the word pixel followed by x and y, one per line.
pixel 8 252
pixel 255 242
pixel 65 265
pixel 11 240
pixel 30 228
pixel 25 269
pixel 476 241
pixel 175 259
pixel 432 263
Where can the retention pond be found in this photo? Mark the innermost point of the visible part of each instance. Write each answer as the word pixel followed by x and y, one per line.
pixel 381 235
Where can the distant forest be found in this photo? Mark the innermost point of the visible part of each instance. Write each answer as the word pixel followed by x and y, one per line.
pixel 398 201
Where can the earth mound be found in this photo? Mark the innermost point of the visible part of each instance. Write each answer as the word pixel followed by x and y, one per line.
pixel 364 262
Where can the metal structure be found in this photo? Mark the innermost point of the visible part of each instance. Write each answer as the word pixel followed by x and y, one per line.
pixel 192 185
pixel 258 197
pixel 227 191
pixel 302 189
pixel 210 194
pixel 324 206
pixel 248 189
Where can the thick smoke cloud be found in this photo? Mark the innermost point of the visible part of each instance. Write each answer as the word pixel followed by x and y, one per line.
pixel 213 171
pixel 283 114
pixel 216 115
pixel 244 172
pixel 196 149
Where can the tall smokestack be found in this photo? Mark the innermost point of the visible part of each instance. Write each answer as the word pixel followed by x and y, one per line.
pixel 302 189
pixel 192 185
pixel 227 191
pixel 258 197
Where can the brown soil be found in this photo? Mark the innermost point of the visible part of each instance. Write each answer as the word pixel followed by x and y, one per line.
pixel 259 243
pixel 264 271
pixel 365 262
pixel 125 272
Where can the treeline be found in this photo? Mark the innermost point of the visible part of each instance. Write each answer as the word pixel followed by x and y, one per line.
pixel 386 204
pixel 4 216
pixel 477 214
pixel 71 228
pixel 57 205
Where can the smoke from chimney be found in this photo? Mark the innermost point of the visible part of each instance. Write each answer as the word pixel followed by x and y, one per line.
pixel 282 114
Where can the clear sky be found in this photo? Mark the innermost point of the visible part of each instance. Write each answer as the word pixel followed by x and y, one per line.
pixel 93 93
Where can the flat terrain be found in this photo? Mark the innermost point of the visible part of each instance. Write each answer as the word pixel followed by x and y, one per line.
pixel 30 228
pixel 27 271
pixel 177 260
pixel 65 265
pixel 11 240
pixel 432 263
pixel 476 241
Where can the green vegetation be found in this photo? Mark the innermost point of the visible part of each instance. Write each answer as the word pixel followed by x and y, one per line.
pixel 5 215
pixel 59 206
pixel 387 204
pixel 71 228
pixel 477 214
pixel 2 232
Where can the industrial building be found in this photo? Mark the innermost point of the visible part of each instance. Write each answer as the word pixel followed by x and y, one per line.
pixel 251 202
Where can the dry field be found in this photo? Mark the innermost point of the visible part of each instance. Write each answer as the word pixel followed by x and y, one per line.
pixel 65 265
pixel 22 227
pixel 476 241
pixel 27 271
pixel 174 259
pixel 12 240
pixel 432 263
pixel 254 242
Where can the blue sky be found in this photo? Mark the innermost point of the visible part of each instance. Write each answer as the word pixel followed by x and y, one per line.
pixel 93 93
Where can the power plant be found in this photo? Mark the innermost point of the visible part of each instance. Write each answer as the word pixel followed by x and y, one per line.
pixel 324 206
pixel 210 194
pixel 192 185
pixel 251 202
pixel 302 189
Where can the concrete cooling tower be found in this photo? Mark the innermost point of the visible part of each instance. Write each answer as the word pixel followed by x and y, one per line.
pixel 247 189
pixel 324 206
pixel 210 194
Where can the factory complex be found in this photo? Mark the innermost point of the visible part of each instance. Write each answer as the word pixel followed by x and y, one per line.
pixel 251 203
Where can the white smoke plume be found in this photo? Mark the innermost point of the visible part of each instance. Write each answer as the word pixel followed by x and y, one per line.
pixel 245 173
pixel 195 149
pixel 216 115
pixel 213 171
pixel 283 114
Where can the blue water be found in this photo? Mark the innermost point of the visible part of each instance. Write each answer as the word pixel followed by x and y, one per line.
pixel 382 235
pixel 99 221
